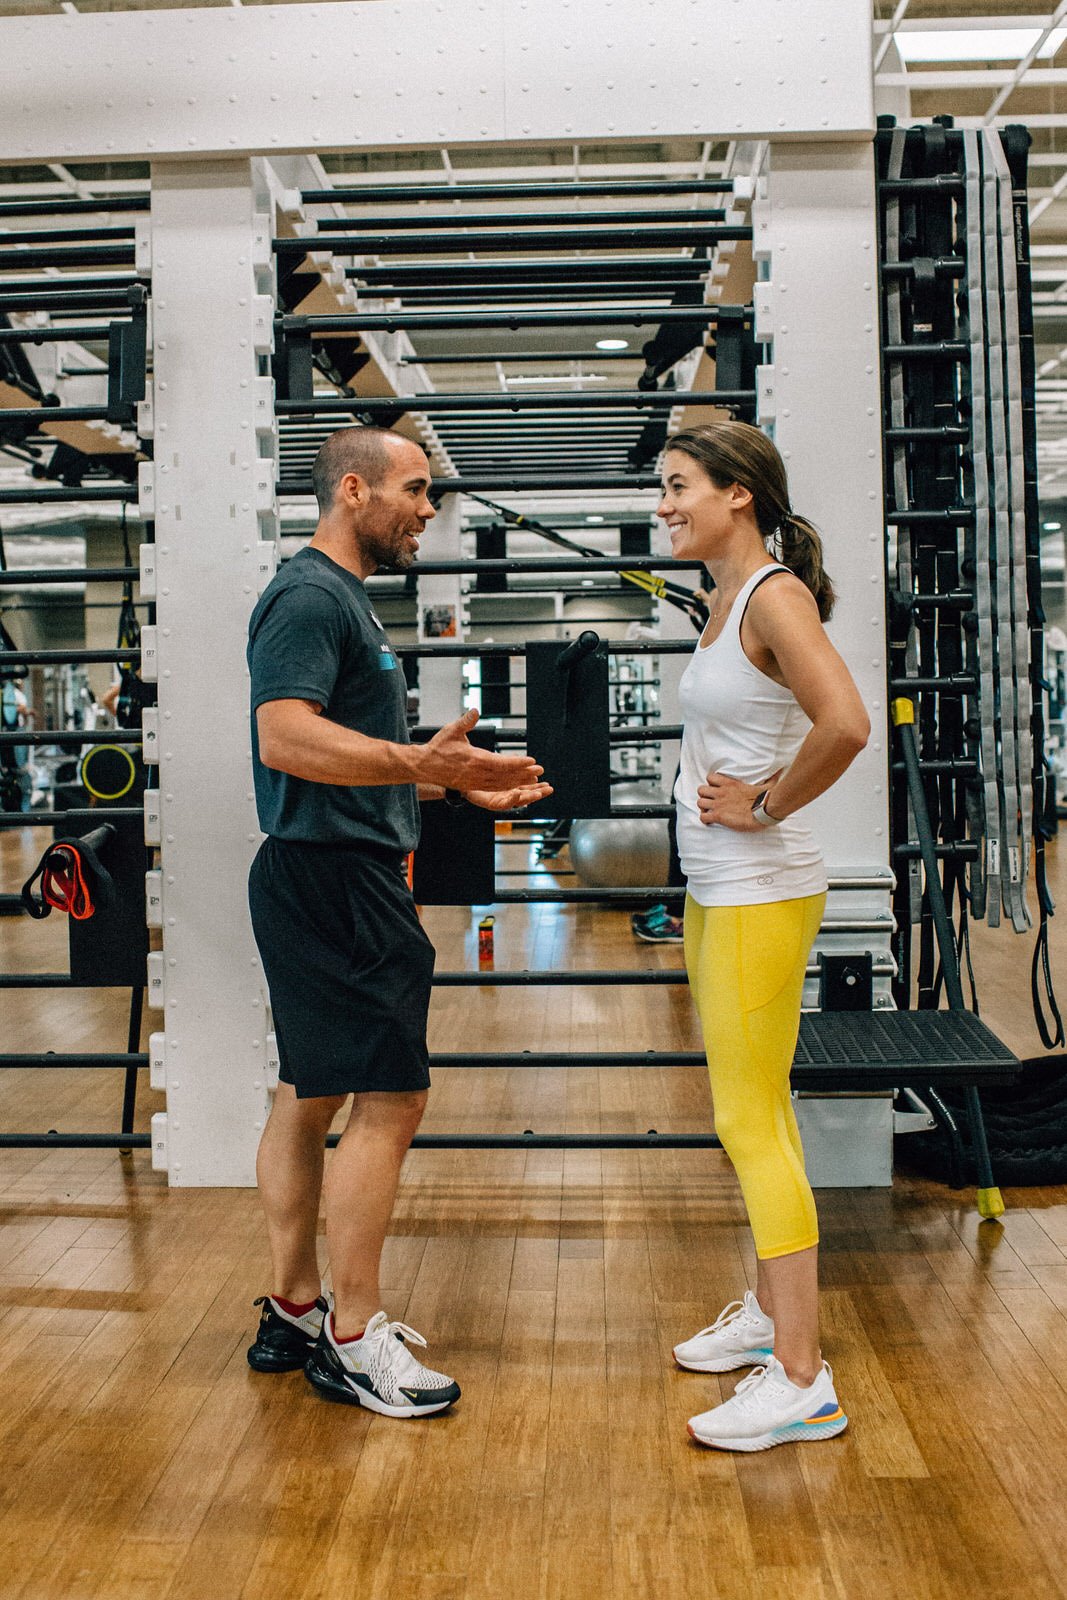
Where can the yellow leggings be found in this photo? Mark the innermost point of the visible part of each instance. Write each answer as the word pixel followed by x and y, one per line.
pixel 746 971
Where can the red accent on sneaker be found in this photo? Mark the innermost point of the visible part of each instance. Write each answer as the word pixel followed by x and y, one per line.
pixel 350 1338
pixel 291 1308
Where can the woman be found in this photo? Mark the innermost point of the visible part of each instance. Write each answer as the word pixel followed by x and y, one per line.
pixel 771 719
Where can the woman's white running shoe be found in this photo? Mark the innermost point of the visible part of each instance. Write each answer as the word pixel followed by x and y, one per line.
pixel 740 1336
pixel 767 1408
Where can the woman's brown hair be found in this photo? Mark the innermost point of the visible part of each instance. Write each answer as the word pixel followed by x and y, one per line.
pixel 736 452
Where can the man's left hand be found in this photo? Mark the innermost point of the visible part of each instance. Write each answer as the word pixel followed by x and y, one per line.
pixel 508 799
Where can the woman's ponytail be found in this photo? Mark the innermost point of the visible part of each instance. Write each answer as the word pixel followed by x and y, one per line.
pixel 800 549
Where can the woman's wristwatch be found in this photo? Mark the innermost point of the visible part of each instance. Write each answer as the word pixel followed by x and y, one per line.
pixel 760 812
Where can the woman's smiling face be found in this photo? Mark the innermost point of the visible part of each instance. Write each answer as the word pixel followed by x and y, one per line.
pixel 700 516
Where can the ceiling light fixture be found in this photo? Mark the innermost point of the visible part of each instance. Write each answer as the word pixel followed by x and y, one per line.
pixel 974 44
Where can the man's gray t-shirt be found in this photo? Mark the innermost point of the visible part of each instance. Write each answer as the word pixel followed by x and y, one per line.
pixel 314 636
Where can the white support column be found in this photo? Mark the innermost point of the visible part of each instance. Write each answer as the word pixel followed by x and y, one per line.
pixel 211 491
pixel 816 237
pixel 442 604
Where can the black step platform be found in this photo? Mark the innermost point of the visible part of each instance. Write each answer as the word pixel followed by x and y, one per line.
pixel 899 1049
pixel 837 1050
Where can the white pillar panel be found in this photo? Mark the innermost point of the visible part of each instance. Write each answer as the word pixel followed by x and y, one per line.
pixel 214 512
pixel 232 80
pixel 815 235
pixel 441 604
pixel 672 623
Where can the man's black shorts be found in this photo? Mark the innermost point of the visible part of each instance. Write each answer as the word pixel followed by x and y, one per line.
pixel 347 964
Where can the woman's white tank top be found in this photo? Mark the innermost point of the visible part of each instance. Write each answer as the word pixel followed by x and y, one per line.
pixel 738 721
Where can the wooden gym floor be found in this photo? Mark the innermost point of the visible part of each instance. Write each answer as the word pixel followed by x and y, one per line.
pixel 141 1459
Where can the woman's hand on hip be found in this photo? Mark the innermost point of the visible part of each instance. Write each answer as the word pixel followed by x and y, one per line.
pixel 728 801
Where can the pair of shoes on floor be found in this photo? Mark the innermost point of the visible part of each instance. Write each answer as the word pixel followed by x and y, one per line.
pixel 377 1370
pixel 767 1407
pixel 656 926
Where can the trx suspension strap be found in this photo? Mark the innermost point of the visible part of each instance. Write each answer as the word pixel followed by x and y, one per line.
pixel 1015 145
pixel 1002 544
pixel 982 533
pixel 1015 463
pixel 676 594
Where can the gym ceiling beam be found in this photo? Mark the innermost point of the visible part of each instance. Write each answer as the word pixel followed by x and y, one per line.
pixel 517 219
pixel 380 244
pixel 583 189
pixel 578 400
pixel 394 321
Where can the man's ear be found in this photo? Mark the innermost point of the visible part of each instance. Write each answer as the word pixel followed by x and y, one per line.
pixel 353 490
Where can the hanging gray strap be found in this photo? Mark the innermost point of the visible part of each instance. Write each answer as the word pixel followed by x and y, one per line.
pixel 982 552
pixel 1001 546
pixel 901 497
pixel 1019 853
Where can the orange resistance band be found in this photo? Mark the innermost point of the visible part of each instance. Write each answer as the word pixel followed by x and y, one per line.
pixel 63 883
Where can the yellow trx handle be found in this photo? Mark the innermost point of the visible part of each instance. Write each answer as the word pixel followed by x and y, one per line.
pixel 903 711
pixel 646 580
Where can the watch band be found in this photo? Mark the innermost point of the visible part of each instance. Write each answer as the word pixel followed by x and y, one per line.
pixel 455 797
pixel 760 812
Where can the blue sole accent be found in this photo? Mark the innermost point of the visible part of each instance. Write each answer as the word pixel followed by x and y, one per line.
pixel 811 1430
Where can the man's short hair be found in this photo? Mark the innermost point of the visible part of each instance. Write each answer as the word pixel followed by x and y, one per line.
pixel 361 450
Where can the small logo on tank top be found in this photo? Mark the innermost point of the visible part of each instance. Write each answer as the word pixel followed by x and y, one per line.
pixel 766 880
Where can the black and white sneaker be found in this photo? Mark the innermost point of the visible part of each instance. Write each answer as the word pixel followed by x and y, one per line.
pixel 379 1371
pixel 284 1342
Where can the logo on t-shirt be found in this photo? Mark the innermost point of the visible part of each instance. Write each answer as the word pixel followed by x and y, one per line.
pixel 386 658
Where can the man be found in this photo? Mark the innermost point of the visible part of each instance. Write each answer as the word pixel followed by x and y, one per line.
pixel 346 960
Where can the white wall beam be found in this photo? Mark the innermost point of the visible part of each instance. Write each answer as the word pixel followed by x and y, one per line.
pixel 183 84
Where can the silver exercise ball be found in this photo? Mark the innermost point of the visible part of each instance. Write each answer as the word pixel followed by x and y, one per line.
pixel 622 852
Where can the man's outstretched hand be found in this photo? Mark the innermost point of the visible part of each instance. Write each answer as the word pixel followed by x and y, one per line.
pixel 449 759
pixel 508 799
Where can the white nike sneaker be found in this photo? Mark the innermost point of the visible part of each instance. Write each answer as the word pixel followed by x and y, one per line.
pixel 379 1371
pixel 767 1408
pixel 740 1336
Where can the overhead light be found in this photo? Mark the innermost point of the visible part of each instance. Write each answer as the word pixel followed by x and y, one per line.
pixel 975 44
pixel 1052 527
pixel 594 518
pixel 613 344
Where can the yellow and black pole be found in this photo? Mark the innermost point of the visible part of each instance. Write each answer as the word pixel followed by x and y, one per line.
pixel 990 1202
